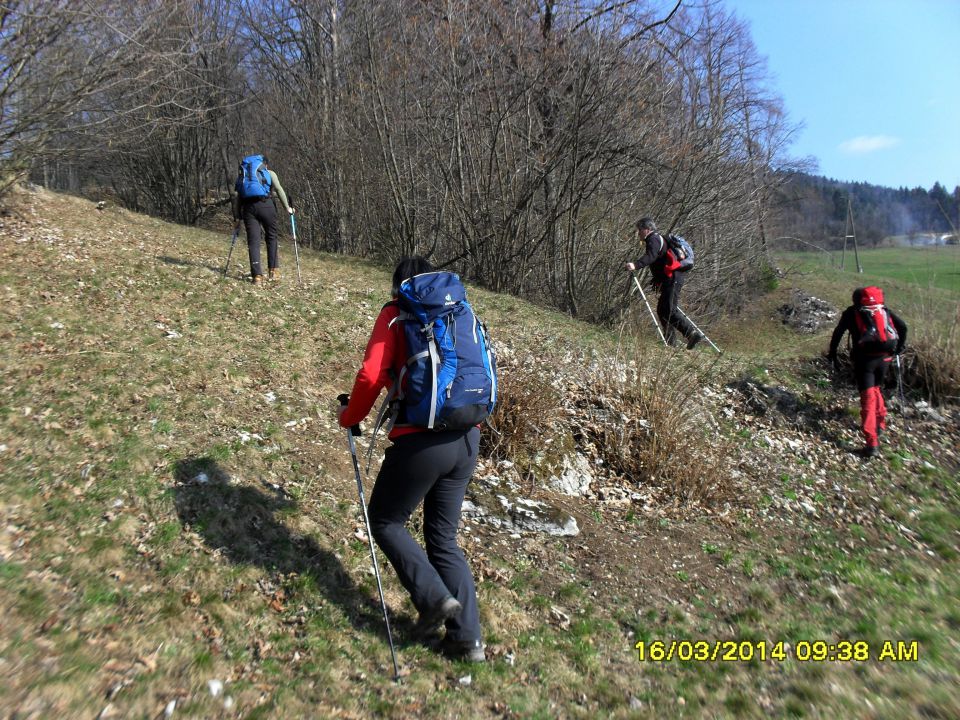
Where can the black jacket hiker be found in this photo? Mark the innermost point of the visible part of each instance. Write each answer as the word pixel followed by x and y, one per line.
pixel 669 282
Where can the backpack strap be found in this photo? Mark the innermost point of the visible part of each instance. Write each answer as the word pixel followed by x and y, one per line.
pixel 391 405
pixel 663 246
pixel 390 408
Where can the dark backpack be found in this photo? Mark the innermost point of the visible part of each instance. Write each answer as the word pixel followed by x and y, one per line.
pixel 254 179
pixel 449 381
pixel 682 252
pixel 876 332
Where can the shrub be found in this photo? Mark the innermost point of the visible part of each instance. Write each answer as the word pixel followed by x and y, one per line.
pixel 647 424
pixel 933 362
pixel 528 408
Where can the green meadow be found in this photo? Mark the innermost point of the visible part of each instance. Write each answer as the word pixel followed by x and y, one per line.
pixel 924 267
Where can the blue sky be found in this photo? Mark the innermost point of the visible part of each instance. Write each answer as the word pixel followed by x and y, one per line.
pixel 876 84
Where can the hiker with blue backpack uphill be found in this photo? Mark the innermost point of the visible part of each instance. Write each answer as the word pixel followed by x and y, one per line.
pixel 432 355
pixel 254 206
pixel 877 335
pixel 669 260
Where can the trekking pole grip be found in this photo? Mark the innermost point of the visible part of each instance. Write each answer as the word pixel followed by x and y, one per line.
pixel 343 399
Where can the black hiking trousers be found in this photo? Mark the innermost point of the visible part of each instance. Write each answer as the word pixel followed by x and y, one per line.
pixel 256 213
pixel 432 467
pixel 670 319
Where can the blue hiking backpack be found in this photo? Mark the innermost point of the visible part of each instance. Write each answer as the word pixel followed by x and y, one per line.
pixel 254 178
pixel 450 379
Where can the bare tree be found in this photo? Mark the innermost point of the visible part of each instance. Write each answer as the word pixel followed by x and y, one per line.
pixel 515 141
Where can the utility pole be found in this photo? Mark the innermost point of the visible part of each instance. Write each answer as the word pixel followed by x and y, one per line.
pixel 850 233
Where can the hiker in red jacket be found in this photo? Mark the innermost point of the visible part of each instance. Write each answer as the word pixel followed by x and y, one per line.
pixel 425 466
pixel 877 334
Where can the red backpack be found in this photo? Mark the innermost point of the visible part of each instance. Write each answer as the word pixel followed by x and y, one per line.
pixel 876 335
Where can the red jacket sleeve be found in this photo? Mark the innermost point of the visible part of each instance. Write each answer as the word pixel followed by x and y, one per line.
pixel 375 373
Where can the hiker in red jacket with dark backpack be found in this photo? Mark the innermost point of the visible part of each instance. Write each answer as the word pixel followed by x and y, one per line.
pixel 877 335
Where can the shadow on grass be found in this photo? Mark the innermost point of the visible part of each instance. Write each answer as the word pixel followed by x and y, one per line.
pixel 240 522
pixel 180 262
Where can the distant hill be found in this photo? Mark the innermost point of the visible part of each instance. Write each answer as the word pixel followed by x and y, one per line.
pixel 814 208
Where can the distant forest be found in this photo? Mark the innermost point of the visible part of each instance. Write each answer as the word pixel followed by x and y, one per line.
pixel 814 209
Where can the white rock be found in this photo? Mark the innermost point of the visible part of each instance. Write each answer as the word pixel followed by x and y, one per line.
pixel 575 478
pixel 215 687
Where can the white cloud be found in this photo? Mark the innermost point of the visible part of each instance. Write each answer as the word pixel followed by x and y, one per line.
pixel 868 144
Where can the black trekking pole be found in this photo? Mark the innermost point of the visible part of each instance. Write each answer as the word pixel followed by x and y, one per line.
pixel 343 399
pixel 656 323
pixel 699 330
pixel 293 229
pixel 233 241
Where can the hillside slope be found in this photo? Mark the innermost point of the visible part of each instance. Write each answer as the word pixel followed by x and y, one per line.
pixel 180 530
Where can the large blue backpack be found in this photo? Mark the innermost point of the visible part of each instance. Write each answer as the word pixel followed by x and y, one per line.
pixel 254 178
pixel 449 381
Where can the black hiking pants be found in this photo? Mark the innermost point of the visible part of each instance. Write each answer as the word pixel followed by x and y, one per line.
pixel 434 468
pixel 670 319
pixel 257 213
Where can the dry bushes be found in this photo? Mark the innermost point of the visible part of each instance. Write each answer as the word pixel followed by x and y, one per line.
pixel 528 407
pixel 648 424
pixel 933 361
pixel 640 422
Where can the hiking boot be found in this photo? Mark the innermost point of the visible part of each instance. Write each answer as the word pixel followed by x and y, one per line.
pixel 871 451
pixel 274 274
pixel 431 620
pixel 694 340
pixel 466 650
pixel 258 279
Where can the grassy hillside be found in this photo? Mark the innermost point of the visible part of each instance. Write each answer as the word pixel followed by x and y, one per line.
pixel 179 529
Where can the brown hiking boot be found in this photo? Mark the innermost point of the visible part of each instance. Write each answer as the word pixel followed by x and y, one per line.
pixel 274 274
pixel 258 279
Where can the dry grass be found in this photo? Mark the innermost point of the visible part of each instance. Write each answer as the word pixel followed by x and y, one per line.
pixel 528 406
pixel 934 362
pixel 649 421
